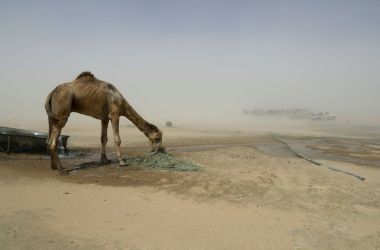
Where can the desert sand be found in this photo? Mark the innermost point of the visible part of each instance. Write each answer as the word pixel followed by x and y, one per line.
pixel 243 198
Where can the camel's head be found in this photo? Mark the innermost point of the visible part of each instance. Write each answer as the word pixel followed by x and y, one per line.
pixel 155 139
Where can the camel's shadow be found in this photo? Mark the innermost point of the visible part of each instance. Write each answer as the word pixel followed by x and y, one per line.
pixel 90 164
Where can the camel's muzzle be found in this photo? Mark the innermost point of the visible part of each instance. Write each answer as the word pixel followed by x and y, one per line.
pixel 157 147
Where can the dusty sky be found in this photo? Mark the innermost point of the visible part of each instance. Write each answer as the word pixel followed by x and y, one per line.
pixel 194 59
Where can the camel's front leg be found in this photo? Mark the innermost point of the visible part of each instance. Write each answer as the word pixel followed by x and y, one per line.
pixel 115 128
pixel 104 139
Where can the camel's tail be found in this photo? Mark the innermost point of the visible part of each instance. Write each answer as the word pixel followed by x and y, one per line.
pixel 48 108
pixel 49 112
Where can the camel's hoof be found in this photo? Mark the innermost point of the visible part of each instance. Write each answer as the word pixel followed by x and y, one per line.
pixel 123 163
pixel 64 172
pixel 105 162
pixel 53 167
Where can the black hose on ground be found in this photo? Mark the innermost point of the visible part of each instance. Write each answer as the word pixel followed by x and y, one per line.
pixel 314 161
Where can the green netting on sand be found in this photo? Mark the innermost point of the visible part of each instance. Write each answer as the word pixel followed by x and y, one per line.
pixel 162 160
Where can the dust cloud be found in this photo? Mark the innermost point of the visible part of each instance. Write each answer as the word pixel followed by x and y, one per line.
pixel 196 63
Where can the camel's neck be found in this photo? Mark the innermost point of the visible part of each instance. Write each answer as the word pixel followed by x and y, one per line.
pixel 136 119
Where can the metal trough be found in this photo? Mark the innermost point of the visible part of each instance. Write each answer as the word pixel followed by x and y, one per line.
pixel 13 140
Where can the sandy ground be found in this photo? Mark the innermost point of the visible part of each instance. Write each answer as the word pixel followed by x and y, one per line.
pixel 242 199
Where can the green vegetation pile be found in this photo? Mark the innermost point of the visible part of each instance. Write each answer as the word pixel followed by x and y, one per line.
pixel 162 160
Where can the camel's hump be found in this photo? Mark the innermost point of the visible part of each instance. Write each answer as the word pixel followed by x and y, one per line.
pixel 85 74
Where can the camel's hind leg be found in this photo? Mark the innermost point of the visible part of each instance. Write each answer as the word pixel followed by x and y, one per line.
pixel 58 108
pixel 48 140
pixel 104 139
pixel 53 144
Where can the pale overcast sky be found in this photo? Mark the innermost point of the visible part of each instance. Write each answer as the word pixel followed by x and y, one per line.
pixel 190 59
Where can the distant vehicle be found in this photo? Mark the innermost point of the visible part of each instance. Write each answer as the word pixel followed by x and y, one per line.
pixel 323 116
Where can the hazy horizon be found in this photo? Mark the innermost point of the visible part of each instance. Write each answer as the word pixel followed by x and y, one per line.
pixel 195 60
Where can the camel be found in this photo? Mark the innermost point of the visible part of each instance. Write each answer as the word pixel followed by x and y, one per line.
pixel 92 97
